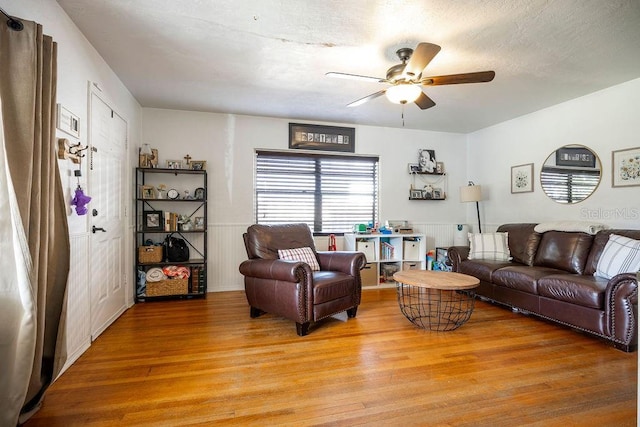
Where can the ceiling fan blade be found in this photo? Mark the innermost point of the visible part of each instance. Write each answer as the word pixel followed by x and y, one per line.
pixel 453 79
pixel 422 55
pixel 424 101
pixel 367 98
pixel 354 77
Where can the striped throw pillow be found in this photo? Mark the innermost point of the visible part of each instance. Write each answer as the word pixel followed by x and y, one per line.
pixel 300 254
pixel 493 246
pixel 620 255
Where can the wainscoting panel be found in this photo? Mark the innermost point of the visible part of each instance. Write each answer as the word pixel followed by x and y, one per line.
pixel 78 334
pixel 226 250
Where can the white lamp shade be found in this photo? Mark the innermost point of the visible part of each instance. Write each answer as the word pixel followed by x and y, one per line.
pixel 471 193
pixel 403 93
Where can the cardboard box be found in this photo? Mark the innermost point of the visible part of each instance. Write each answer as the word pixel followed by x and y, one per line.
pixel 369 275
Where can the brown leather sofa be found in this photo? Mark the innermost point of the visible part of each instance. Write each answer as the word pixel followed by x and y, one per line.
pixel 290 288
pixel 551 276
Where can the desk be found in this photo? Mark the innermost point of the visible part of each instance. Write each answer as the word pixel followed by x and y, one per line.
pixel 435 300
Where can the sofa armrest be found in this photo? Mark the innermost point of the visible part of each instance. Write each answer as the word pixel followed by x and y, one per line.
pixel 343 261
pixel 456 255
pixel 621 308
pixel 275 269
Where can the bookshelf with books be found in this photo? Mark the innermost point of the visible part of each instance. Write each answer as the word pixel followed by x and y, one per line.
pixel 387 254
pixel 170 233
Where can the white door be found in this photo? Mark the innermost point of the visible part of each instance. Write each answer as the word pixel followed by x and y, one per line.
pixel 108 137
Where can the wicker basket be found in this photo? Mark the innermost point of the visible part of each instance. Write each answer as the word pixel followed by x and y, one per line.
pixel 168 287
pixel 149 254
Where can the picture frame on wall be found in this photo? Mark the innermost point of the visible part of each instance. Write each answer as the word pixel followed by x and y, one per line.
pixel 625 167
pixel 522 178
pixel 575 156
pixel 319 137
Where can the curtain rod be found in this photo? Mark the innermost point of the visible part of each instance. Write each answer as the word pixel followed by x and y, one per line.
pixel 12 23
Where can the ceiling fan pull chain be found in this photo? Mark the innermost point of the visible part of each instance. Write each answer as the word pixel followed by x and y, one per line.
pixel 402 115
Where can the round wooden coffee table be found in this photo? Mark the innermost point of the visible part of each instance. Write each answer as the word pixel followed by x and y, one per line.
pixel 436 300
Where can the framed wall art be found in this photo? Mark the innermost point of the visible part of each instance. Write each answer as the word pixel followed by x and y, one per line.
pixel 575 156
pixel 522 178
pixel 319 137
pixel 625 167
pixel 67 122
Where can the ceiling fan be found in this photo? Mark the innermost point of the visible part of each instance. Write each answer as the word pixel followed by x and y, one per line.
pixel 406 78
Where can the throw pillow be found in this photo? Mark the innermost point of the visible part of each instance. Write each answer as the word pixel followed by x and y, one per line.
pixel 300 254
pixel 620 255
pixel 493 246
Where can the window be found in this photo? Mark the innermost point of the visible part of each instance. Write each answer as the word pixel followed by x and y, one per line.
pixel 331 193
pixel 568 185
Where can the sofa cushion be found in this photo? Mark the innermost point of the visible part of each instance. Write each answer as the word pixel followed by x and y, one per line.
pixel 587 291
pixel 300 254
pixel 522 278
pixel 493 246
pixel 600 242
pixel 564 251
pixel 523 241
pixel 620 255
pixel 482 268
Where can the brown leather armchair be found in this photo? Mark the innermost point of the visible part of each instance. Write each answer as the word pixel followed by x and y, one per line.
pixel 290 288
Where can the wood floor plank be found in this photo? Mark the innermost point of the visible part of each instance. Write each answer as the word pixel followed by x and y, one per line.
pixel 205 362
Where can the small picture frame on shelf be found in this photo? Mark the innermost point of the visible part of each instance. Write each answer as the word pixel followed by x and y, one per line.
pixel 174 164
pixel 198 223
pixel 148 192
pixel 199 193
pixel 152 221
pixel 415 194
pixel 414 168
pixel 439 167
pixel 437 194
pixel 198 165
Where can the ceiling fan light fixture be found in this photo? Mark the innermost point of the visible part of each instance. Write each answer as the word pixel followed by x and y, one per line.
pixel 403 93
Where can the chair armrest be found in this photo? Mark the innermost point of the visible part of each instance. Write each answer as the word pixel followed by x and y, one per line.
pixel 275 269
pixel 621 308
pixel 343 261
pixel 456 255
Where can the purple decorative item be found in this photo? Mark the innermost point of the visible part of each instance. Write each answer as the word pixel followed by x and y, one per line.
pixel 80 201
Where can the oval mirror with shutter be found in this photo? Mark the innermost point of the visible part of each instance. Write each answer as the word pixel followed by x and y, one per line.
pixel 571 174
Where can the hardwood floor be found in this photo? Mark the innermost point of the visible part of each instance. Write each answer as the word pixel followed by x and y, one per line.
pixel 204 362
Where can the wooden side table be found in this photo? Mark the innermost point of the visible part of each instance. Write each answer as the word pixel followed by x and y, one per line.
pixel 436 300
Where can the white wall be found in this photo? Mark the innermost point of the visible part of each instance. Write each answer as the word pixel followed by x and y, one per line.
pixel 227 142
pixel 79 64
pixel 604 121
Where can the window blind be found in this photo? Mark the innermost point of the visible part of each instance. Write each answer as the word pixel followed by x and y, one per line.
pixel 330 193
pixel 568 185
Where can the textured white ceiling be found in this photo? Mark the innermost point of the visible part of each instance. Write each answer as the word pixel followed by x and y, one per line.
pixel 269 57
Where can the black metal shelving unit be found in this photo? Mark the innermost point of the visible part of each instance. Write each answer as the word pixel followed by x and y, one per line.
pixel 196 239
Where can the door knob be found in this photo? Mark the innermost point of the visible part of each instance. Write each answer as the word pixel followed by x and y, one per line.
pixel 94 229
